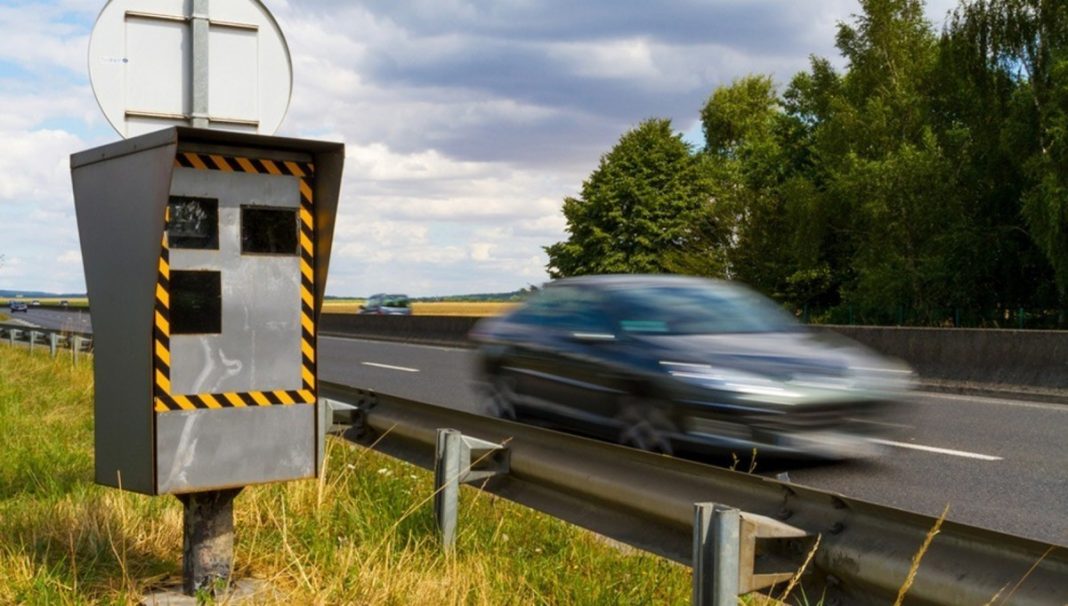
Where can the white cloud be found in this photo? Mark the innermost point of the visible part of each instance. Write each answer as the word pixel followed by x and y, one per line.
pixel 35 168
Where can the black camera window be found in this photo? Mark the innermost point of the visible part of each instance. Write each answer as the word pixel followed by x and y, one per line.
pixel 194 223
pixel 196 302
pixel 270 231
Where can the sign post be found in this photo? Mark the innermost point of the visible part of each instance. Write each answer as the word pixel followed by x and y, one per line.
pixel 206 246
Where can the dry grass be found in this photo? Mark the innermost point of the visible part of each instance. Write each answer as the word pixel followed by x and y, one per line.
pixel 473 308
pixel 362 534
pixel 916 559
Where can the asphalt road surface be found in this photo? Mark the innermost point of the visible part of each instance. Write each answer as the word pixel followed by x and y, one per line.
pixel 999 464
pixel 74 321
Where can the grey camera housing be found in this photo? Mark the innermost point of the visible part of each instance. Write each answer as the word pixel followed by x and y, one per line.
pixel 205 322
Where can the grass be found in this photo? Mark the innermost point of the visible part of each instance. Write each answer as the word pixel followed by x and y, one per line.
pixel 362 534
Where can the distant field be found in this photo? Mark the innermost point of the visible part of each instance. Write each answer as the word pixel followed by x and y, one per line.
pixel 82 302
pixel 444 308
pixel 351 306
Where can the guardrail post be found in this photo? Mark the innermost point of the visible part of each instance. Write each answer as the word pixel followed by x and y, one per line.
pixel 461 459
pixel 11 334
pixel 53 344
pixel 33 339
pixel 716 542
pixel 447 484
pixel 74 344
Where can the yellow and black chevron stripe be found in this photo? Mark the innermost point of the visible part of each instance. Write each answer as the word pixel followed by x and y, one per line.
pixel 165 401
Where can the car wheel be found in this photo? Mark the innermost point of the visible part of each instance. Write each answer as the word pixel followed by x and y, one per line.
pixel 645 427
pixel 500 401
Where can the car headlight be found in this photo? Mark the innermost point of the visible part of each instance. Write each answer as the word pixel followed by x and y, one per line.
pixel 729 379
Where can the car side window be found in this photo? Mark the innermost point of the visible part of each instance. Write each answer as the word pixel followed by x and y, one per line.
pixel 567 309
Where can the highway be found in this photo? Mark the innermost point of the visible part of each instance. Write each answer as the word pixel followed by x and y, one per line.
pixel 54 319
pixel 999 464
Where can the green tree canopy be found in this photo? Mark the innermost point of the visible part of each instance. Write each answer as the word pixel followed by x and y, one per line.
pixel 648 197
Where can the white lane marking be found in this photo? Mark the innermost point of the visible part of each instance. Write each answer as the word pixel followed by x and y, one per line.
pixel 393 343
pixel 935 449
pixel 993 401
pixel 389 367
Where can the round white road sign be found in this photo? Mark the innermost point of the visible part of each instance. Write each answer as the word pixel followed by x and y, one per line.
pixel 220 64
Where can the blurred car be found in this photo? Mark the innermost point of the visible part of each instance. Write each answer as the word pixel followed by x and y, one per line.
pixel 18 306
pixel 387 305
pixel 676 364
pixel 36 303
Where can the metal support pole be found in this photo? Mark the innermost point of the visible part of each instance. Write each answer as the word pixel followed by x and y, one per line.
pixel 716 542
pixel 11 335
pixel 53 344
pixel 447 484
pixel 33 339
pixel 74 348
pixel 200 26
pixel 207 539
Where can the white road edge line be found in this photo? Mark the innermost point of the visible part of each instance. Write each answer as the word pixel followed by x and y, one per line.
pixel 994 401
pixel 389 367
pixel 935 449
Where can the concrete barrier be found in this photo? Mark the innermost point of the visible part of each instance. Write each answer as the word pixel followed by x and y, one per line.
pixel 1030 358
pixel 430 330
pixel 1017 362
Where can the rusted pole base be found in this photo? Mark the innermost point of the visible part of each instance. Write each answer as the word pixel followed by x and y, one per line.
pixel 207 539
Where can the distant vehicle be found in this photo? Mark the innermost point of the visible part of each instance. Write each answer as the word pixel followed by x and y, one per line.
pixel 685 365
pixel 64 303
pixel 387 305
pixel 36 303
pixel 18 306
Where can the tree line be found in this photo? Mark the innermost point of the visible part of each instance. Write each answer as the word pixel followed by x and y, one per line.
pixel 930 173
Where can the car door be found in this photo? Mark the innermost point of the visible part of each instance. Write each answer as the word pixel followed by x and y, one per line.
pixel 570 375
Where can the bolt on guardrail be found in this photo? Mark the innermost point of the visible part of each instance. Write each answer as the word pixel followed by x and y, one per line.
pixel 461 459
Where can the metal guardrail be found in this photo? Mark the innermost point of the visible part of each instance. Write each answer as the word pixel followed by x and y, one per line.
pixel 53 340
pixel 647 501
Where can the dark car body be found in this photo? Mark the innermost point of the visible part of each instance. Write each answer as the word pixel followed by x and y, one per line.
pixel 679 364
pixel 18 306
pixel 387 305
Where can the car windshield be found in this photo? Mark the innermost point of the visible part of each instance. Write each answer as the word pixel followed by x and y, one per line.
pixel 394 301
pixel 698 309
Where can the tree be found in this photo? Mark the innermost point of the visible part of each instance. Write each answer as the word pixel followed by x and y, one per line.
pixel 906 231
pixel 1007 70
pixel 647 198
pixel 747 165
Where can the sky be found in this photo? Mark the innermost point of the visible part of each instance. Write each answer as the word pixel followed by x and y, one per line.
pixel 466 122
